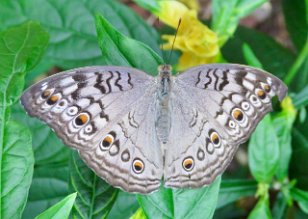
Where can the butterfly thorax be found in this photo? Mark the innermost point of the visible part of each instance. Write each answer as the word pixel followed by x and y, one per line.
pixel 163 122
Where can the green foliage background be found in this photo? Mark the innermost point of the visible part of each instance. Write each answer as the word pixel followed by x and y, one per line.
pixel 38 172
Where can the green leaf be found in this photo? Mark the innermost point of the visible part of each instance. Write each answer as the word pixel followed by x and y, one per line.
pixel 60 210
pixel 139 214
pixel 124 206
pixel 301 197
pixel 226 15
pixel 49 186
pixel 299 162
pixel 301 99
pixel 280 206
pixel 273 57
pixel 21 48
pixel 49 150
pixel 72 29
pixel 118 49
pixel 250 57
pixel 151 5
pixel 51 174
pixel 95 196
pixel 283 122
pixel 295 14
pixel 181 203
pixel 261 210
pixel 263 151
pixel 232 190
pixel 16 169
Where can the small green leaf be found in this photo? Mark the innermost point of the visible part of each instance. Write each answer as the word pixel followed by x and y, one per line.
pixel 226 15
pixel 283 122
pixel 261 210
pixel 181 203
pixel 280 206
pixel 301 99
pixel 118 49
pixel 16 169
pixel 263 151
pixel 139 214
pixel 95 197
pixel 301 197
pixel 61 210
pixel 250 56
pixel 232 190
pixel 299 162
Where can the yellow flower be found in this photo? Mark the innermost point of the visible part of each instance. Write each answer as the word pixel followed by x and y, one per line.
pixel 198 44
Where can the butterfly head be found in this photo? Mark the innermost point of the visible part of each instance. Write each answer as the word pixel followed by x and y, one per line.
pixel 164 71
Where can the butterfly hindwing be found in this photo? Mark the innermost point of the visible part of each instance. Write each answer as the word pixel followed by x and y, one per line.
pixel 214 108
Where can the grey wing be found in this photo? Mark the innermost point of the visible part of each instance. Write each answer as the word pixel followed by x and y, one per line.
pixel 214 109
pixel 98 111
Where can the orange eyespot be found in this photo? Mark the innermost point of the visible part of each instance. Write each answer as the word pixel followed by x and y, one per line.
pixel 267 88
pixel 138 166
pixel 237 114
pixel 188 164
pixel 107 141
pixel 261 94
pixel 81 119
pixel 45 94
pixel 53 99
pixel 215 138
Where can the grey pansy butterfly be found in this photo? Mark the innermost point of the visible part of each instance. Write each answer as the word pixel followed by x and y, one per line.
pixel 133 129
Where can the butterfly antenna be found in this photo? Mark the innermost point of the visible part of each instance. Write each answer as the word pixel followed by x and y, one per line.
pixel 161 45
pixel 176 33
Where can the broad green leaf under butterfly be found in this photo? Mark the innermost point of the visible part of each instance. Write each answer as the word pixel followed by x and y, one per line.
pixel 181 203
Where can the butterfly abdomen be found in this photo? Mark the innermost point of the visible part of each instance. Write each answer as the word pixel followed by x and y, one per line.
pixel 163 122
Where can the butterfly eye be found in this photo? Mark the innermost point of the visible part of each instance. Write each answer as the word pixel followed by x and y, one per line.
pixel 188 164
pixel 261 94
pixel 215 138
pixel 81 119
pixel 138 166
pixel 107 142
pixel 53 99
pixel 237 114
pixel 46 94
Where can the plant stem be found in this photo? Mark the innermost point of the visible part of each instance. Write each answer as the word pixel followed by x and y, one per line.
pixel 297 64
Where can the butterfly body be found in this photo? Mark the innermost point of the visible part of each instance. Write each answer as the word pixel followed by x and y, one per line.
pixel 134 130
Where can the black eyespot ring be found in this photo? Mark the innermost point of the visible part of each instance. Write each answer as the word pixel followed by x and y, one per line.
pixel 138 166
pixel 188 164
